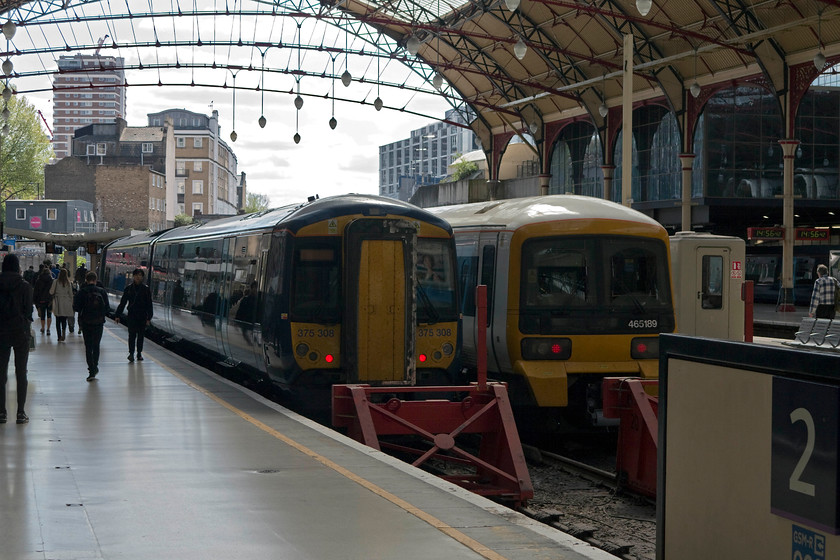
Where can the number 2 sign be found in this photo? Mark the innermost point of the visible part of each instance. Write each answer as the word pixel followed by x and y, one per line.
pixel 804 469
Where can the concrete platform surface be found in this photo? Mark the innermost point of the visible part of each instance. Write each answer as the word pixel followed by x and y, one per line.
pixel 162 459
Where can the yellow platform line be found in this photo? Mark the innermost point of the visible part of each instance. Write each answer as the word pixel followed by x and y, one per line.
pixel 471 543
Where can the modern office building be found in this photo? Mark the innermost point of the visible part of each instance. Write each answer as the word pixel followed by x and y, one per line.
pixel 422 158
pixel 88 89
pixel 206 177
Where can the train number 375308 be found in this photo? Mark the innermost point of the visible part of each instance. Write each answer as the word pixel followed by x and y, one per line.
pixel 316 333
pixel 643 324
pixel 434 332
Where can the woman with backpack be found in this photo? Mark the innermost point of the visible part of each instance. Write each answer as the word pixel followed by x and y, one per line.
pixel 42 298
pixel 62 302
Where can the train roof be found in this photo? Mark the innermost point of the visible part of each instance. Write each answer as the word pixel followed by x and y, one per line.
pixel 513 213
pixel 292 217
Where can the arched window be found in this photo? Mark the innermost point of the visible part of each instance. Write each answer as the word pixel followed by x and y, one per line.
pixel 592 183
pixel 617 183
pixel 816 159
pixel 569 159
pixel 664 179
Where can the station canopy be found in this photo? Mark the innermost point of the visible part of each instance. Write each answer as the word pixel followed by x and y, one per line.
pixel 504 62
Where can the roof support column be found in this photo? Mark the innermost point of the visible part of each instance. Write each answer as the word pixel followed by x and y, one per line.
pixel 687 161
pixel 608 171
pixel 545 178
pixel 627 123
pixel 786 300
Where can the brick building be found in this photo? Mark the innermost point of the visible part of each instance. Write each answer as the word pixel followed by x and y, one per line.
pixel 127 173
pixel 206 177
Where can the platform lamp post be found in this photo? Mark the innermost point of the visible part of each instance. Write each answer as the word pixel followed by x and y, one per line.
pixel 786 299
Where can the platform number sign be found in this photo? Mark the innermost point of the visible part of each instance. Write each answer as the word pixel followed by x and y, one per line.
pixel 804 473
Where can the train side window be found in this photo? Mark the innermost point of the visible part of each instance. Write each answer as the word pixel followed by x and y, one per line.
pixel 712 288
pixel 488 271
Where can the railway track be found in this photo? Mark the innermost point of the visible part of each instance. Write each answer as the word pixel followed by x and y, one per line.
pixel 586 502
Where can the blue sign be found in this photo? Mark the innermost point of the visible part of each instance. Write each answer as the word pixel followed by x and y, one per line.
pixel 807 545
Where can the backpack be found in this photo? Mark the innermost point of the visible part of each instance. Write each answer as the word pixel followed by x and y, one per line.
pixel 9 309
pixel 94 307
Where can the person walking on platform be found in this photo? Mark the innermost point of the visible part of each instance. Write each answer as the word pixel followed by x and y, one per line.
pixel 81 272
pixel 91 302
pixel 62 302
pixel 822 298
pixel 15 324
pixel 138 296
pixel 42 298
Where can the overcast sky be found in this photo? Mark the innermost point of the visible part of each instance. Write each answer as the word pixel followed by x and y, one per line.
pixel 326 162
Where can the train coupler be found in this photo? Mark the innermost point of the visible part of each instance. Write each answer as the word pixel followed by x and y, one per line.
pixel 473 440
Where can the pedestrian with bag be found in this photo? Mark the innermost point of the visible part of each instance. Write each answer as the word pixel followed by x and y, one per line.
pixel 138 296
pixel 62 302
pixel 15 330
pixel 42 298
pixel 91 302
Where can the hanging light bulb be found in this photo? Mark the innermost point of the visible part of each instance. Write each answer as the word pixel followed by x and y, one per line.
pixel 333 123
pixel 7 94
pixel 412 45
pixel 603 110
pixel 520 48
pixel 377 104
pixel 5 129
pixel 437 81
pixel 511 5
pixel 6 114
pixel 819 60
pixel 643 6
pixel 296 138
pixel 695 90
pixel 233 136
pixel 8 67
pixel 298 102
pixel 346 78
pixel 799 152
pixel 825 162
pixel 262 121
pixel 9 29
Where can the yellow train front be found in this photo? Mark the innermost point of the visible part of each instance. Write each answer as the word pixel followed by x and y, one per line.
pixel 346 289
pixel 578 289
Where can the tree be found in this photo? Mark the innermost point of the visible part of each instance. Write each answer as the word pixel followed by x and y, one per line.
pixel 256 202
pixel 463 168
pixel 183 220
pixel 24 151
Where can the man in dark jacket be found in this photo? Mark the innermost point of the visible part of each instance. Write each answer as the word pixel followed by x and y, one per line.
pixel 91 302
pixel 15 321
pixel 138 296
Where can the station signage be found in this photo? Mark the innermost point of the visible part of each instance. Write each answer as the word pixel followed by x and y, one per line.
pixel 765 233
pixel 778 233
pixel 804 475
pixel 35 222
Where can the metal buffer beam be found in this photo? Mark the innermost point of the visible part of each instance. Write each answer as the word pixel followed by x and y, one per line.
pixel 628 400
pixel 497 468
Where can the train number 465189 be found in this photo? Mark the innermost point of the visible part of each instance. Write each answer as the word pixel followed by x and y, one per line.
pixel 643 324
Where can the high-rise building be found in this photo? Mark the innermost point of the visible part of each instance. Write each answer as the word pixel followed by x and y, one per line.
pixel 206 176
pixel 422 158
pixel 88 89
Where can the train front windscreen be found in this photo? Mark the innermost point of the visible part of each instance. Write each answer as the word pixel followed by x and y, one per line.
pixel 595 285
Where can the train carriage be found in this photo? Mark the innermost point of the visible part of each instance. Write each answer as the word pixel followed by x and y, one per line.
pixel 346 289
pixel 578 289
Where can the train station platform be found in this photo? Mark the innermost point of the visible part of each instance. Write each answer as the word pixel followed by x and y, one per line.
pixel 163 459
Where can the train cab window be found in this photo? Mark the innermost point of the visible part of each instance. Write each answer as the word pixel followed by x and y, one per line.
pixel 556 277
pixel 712 276
pixel 435 281
pixel 316 284
pixel 638 275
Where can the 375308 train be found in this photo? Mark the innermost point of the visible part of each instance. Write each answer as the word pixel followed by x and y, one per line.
pixel 345 289
pixel 578 289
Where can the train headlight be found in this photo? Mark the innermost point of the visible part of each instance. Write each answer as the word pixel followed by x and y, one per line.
pixel 329 358
pixel 302 349
pixel 546 348
pixel 448 349
pixel 422 358
pixel 644 348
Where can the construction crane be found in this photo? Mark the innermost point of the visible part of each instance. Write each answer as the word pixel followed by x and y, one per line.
pixel 43 118
pixel 99 44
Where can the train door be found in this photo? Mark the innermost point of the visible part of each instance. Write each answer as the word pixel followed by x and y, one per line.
pixel 487 243
pixel 380 310
pixel 711 312
pixel 467 251
pixel 225 277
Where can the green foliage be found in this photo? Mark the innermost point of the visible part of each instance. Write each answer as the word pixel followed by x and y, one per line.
pixel 255 202
pixel 24 152
pixel 463 168
pixel 183 220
